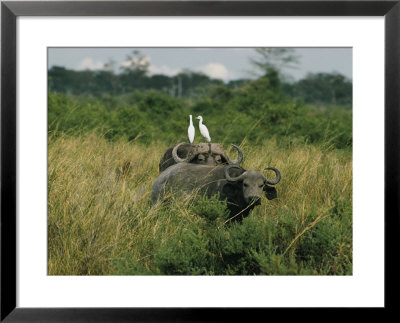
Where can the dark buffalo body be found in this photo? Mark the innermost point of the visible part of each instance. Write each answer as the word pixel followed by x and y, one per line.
pixel 242 189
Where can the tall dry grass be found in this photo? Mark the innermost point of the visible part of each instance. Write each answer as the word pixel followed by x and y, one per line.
pixel 98 212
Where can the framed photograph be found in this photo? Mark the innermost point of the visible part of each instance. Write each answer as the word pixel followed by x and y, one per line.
pixel 161 159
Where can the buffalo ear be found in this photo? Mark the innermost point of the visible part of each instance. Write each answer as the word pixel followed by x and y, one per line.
pixel 270 192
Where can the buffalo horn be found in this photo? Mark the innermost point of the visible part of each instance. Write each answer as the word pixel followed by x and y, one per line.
pixel 239 159
pixel 175 154
pixel 233 179
pixel 277 178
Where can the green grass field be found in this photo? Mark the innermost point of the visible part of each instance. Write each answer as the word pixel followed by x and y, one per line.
pixel 100 221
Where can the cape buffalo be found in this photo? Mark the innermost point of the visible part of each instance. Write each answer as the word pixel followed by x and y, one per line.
pixel 241 188
pixel 203 153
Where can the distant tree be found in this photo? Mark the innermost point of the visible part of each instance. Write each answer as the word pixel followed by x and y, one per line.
pixel 159 82
pixel 136 63
pixel 59 79
pixel 135 70
pixel 235 84
pixel 274 60
pixel 108 78
pixel 188 83
pixel 332 88
pixel 104 82
pixel 110 65
pixel 134 77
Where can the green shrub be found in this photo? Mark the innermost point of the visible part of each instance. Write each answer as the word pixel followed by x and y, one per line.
pixel 251 113
pixel 327 247
pixel 256 247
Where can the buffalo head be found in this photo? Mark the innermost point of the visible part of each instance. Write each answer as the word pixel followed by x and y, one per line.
pixel 251 184
pixel 207 154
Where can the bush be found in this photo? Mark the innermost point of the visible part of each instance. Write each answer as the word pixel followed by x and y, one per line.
pixel 252 113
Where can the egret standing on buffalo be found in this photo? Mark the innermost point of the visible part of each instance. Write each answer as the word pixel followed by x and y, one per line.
pixel 203 129
pixel 191 131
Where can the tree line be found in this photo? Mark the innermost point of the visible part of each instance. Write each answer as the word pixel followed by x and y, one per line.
pixel 316 88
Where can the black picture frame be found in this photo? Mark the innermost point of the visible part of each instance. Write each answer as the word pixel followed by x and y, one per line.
pixel 10 10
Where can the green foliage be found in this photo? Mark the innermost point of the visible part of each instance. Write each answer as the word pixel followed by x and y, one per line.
pixel 134 77
pixel 320 89
pixel 213 246
pixel 68 115
pixel 127 265
pixel 254 112
pixel 323 88
pixel 211 209
pixel 328 246
pixel 256 246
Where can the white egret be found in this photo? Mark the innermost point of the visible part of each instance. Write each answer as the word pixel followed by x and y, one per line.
pixel 191 130
pixel 203 129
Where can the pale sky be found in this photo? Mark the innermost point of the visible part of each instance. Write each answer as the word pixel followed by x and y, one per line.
pixel 223 63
